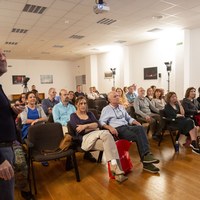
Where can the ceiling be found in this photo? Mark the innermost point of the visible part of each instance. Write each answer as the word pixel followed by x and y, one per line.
pixel 68 29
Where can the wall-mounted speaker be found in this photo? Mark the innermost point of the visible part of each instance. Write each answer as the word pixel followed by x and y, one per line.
pixel 159 75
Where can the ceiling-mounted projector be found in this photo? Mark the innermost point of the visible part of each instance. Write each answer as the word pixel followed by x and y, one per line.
pixel 100 7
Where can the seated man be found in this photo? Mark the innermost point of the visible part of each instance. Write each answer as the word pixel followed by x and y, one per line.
pixel 148 112
pixel 132 94
pixel 61 114
pixel 78 91
pixel 50 102
pixel 115 118
pixel 92 95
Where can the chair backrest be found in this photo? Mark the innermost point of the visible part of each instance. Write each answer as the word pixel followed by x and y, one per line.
pixel 91 103
pixel 100 104
pixel 45 136
pixel 95 112
pixel 50 118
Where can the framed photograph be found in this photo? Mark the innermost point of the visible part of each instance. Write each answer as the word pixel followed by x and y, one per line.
pixel 18 79
pixel 108 75
pixel 150 73
pixel 46 79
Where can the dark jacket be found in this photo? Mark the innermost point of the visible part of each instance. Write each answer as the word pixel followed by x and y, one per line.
pixel 191 107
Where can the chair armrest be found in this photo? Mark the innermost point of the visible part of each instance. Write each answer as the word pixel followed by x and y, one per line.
pixel 28 143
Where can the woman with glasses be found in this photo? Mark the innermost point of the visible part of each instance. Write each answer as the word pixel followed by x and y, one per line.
pixel 86 125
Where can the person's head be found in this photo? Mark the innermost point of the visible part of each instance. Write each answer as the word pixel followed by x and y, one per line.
pixel 71 95
pixel 64 96
pixel 94 89
pixel 130 89
pixel 30 98
pixel 150 92
pixel 158 94
pixel 153 88
pixel 113 89
pixel 125 89
pixel 113 98
pixel 199 90
pixel 3 63
pixel 120 92
pixel 91 89
pixel 52 93
pixel 141 92
pixel 22 98
pixel 134 87
pixel 81 104
pixel 33 87
pixel 171 97
pixel 78 88
pixel 190 93
pixel 35 92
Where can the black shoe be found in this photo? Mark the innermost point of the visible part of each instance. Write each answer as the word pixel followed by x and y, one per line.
pixel 156 137
pixel 150 168
pixel 45 163
pixel 89 156
pixel 27 195
pixel 194 145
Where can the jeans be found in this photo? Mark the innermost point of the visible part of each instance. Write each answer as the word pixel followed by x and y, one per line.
pixel 7 187
pixel 136 134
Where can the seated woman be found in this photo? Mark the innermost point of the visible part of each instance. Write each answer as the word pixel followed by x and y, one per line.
pixel 86 125
pixel 191 105
pixel 149 94
pixel 186 126
pixel 158 100
pixel 32 114
pixel 122 98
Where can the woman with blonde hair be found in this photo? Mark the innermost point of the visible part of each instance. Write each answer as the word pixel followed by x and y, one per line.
pixel 122 98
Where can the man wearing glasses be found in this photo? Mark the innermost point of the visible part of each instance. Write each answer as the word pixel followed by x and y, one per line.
pixel 115 118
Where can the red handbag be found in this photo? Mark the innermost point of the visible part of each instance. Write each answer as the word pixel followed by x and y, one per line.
pixel 123 147
pixel 197 119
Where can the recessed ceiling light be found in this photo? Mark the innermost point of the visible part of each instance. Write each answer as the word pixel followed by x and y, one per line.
pixel 158 17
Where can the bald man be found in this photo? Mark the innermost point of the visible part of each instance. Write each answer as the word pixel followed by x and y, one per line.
pixel 115 118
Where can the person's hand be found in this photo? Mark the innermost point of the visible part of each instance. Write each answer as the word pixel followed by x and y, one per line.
pixel 113 131
pixel 179 115
pixel 148 118
pixel 6 170
pixel 135 122
pixel 17 108
pixel 80 128
pixel 35 121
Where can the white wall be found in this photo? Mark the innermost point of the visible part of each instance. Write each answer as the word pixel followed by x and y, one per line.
pixel 194 58
pixel 62 71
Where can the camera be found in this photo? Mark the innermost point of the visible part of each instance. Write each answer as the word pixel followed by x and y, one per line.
pixel 169 66
pixel 25 81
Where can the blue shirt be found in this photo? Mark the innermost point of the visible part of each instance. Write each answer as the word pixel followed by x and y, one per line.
pixel 131 97
pixel 115 117
pixel 61 113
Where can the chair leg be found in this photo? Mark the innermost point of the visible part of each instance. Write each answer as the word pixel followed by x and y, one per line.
pixel 33 176
pixel 100 157
pixel 172 137
pixel 161 137
pixel 75 167
pixel 29 171
pixel 148 129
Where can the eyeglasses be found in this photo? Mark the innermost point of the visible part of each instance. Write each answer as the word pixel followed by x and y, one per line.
pixel 118 113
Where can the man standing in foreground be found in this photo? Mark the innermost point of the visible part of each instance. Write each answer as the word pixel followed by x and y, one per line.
pixel 7 136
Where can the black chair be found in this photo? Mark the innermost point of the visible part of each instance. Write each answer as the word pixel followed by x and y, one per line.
pixel 77 142
pixel 170 125
pixel 47 137
pixel 100 104
pixel 91 103
pixel 95 112
pixel 50 118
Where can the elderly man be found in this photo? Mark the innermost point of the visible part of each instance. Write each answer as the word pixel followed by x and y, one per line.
pixel 61 114
pixel 7 136
pixel 148 112
pixel 115 118
pixel 50 102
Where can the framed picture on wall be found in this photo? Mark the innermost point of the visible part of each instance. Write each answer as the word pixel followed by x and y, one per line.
pixel 150 73
pixel 108 75
pixel 18 79
pixel 46 79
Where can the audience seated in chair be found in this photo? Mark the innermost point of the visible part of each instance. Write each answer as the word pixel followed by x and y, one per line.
pixel 149 94
pixel 50 102
pixel 86 126
pixel 61 114
pixel 158 101
pixel 32 114
pixel 92 95
pixel 79 91
pixel 132 94
pixel 148 112
pixel 186 126
pixel 191 105
pixel 115 118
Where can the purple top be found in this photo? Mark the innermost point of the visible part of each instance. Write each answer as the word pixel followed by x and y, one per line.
pixel 75 120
